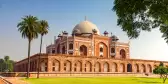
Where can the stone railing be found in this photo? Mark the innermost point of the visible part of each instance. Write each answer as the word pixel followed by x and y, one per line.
pixel 4 81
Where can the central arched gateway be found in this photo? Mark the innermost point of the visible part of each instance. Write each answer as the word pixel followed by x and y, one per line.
pixel 83 50
pixel 101 50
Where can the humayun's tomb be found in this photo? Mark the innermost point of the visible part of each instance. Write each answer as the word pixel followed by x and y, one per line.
pixel 87 51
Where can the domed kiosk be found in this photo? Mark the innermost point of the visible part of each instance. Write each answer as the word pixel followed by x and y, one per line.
pixel 85 28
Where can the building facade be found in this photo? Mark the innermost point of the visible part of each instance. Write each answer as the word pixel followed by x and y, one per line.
pixel 86 50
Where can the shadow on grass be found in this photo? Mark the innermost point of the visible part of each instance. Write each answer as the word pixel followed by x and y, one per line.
pixel 149 82
pixel 141 81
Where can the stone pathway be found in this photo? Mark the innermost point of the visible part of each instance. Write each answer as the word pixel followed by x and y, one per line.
pixel 15 80
pixel 1 82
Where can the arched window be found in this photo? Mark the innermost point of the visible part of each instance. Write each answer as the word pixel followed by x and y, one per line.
pixel 67 66
pixel 70 46
pixel 78 67
pixel 53 51
pixel 83 50
pixel 123 53
pixel 43 67
pixel 75 67
pixel 55 65
pixel 112 50
pixel 101 49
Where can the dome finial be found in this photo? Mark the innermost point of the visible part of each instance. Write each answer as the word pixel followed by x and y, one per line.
pixel 85 18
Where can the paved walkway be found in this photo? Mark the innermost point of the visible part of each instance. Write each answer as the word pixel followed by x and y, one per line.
pixel 1 82
pixel 15 80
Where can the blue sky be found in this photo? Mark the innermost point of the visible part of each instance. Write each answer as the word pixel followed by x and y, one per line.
pixel 64 15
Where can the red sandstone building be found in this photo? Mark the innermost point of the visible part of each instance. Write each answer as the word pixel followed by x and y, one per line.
pixel 86 50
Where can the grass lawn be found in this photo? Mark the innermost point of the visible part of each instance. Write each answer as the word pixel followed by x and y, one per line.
pixel 98 80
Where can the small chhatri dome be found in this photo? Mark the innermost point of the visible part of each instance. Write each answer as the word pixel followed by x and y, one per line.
pixel 65 33
pixel 59 35
pixel 105 32
pixel 85 28
pixel 114 38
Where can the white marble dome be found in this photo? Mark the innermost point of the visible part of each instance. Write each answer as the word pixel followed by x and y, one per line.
pixel 85 27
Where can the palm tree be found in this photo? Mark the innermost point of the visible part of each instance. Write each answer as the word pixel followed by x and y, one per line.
pixel 28 28
pixel 43 30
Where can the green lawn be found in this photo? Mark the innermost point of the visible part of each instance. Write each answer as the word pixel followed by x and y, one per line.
pixel 98 80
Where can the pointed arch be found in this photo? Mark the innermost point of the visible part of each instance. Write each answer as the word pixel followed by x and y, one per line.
pixel 143 68
pixel 55 65
pixel 114 67
pixel 83 50
pixel 136 68
pixel 129 67
pixel 149 68
pixel 102 50
pixel 88 66
pixel 44 66
pixel 106 67
pixel 67 66
pixel 122 67
pixel 122 53
pixel 97 67
pixel 78 66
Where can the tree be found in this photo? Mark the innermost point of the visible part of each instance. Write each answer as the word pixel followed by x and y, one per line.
pixel 6 58
pixel 135 16
pixel 43 29
pixel 163 71
pixel 161 64
pixel 6 65
pixel 1 65
pixel 28 27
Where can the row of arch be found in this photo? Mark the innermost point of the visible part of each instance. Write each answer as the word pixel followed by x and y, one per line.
pixel 83 50
pixel 78 66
